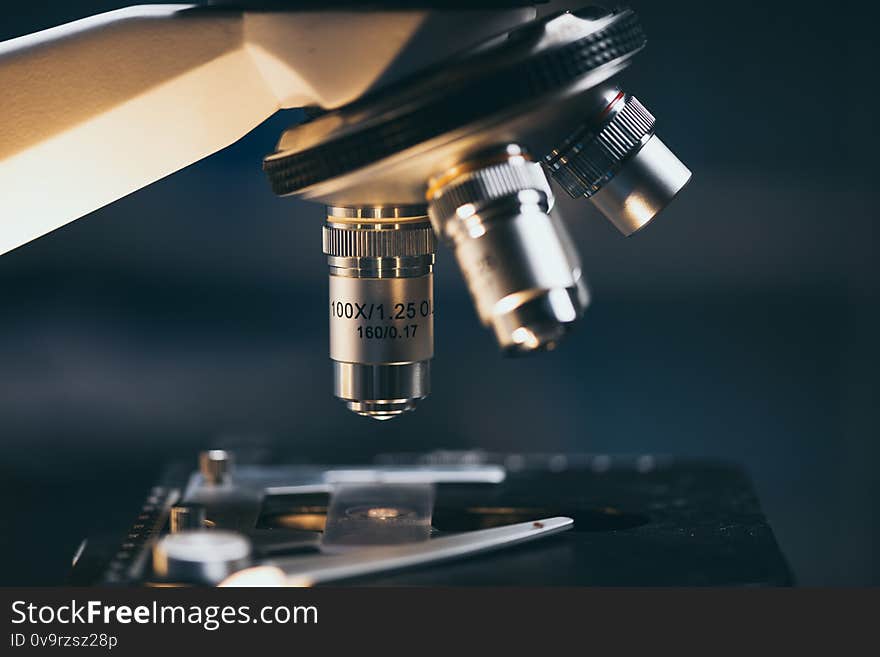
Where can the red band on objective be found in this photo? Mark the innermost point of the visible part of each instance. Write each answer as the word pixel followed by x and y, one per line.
pixel 611 105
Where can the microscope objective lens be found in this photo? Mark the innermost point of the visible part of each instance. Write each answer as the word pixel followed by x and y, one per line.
pixel 381 307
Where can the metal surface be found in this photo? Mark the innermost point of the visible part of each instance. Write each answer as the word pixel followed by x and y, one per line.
pixel 529 88
pixel 382 391
pixel 520 266
pixel 639 521
pixel 215 466
pixel 381 262
pixel 618 163
pixel 308 571
pixel 644 185
pixel 200 556
pixel 597 149
pixel 185 517
pixel 238 506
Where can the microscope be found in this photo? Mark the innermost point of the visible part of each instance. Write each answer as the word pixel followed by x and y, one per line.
pixel 425 121
pixel 424 124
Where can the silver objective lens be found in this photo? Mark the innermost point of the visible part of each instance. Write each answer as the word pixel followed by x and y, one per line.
pixel 518 260
pixel 618 163
pixel 381 307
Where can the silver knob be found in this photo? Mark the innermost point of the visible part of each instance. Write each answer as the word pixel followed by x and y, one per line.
pixel 215 465
pixel 200 557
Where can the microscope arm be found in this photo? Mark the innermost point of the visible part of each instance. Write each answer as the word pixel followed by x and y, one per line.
pixel 98 108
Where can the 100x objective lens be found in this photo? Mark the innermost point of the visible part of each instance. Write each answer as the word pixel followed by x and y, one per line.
pixel 381 307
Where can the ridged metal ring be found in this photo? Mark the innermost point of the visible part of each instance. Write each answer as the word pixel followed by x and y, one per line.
pixel 590 158
pixel 486 185
pixel 462 93
pixel 402 241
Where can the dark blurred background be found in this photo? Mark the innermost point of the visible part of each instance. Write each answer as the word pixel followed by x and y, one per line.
pixel 741 325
